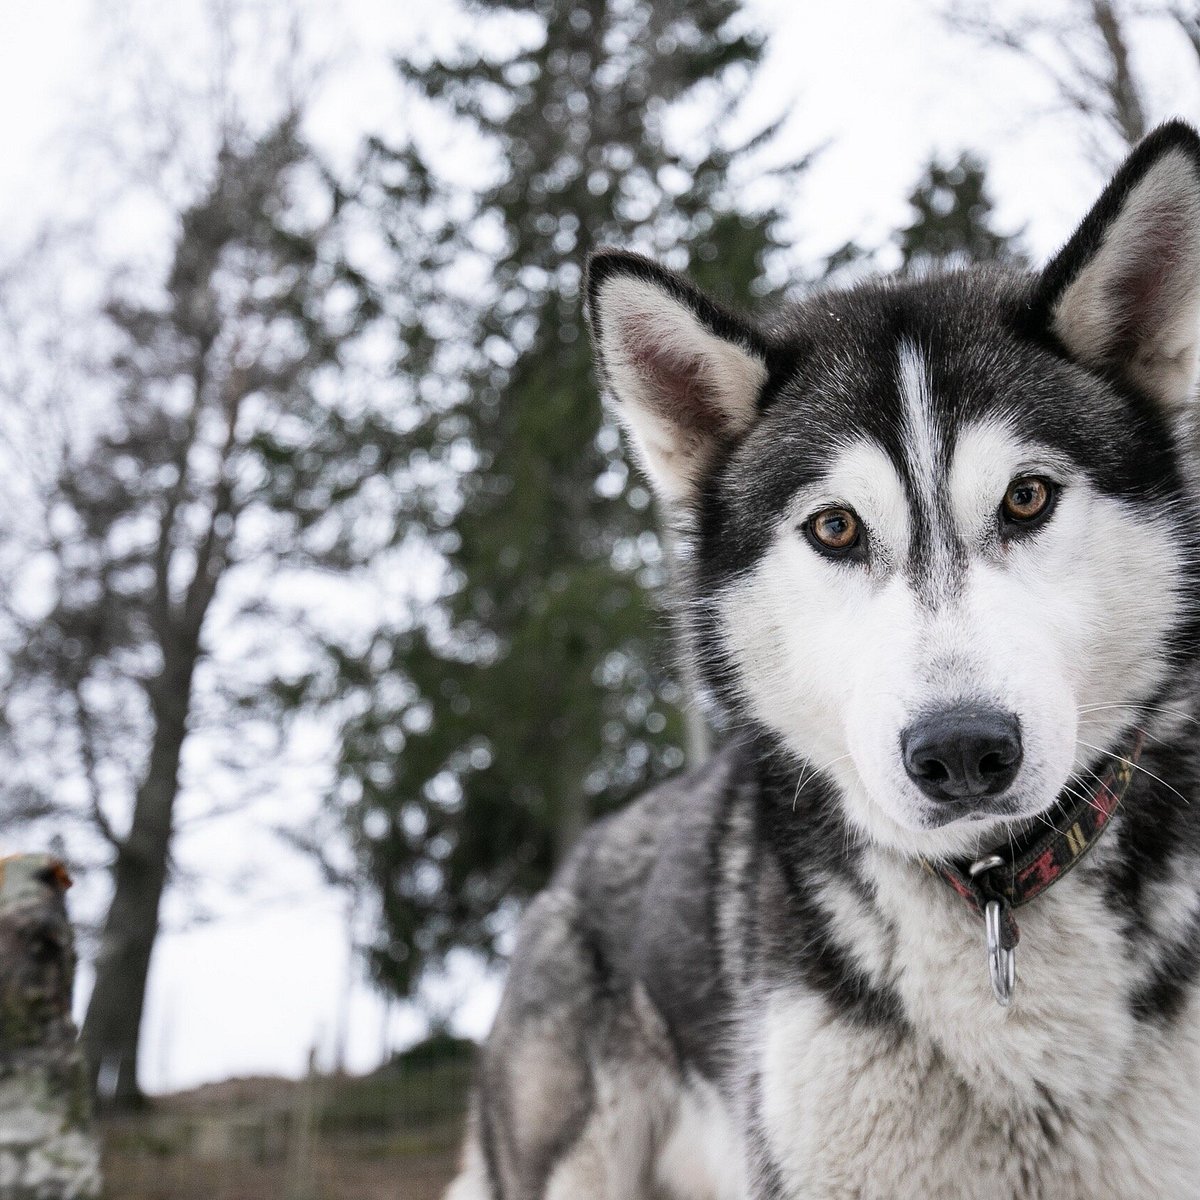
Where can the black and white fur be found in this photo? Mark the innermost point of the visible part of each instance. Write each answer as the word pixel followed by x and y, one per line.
pixel 745 984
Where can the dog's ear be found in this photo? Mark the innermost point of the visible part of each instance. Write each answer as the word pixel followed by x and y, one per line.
pixel 1123 295
pixel 684 375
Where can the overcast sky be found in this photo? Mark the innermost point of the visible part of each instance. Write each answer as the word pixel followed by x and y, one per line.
pixel 881 81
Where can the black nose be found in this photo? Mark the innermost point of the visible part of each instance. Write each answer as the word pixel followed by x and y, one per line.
pixel 962 753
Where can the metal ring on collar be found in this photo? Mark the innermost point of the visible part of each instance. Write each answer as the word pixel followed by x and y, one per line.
pixel 985 864
pixel 1002 964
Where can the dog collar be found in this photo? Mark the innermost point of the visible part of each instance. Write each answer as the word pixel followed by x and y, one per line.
pixel 994 885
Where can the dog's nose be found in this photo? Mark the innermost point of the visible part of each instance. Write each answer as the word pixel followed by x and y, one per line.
pixel 962 753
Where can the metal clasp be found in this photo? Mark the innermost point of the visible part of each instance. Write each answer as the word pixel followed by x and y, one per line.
pixel 1002 964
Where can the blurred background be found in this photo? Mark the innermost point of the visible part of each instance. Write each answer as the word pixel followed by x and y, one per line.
pixel 330 609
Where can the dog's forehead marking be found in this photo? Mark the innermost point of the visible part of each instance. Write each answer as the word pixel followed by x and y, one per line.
pixel 935 558
pixel 922 437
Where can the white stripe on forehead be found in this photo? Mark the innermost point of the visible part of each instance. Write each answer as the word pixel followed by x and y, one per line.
pixel 933 552
pixel 922 440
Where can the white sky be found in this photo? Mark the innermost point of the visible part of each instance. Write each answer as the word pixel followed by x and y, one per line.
pixel 882 80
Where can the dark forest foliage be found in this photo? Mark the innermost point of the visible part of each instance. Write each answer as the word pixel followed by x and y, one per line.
pixel 534 692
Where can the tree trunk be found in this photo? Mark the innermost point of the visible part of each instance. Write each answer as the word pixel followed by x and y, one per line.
pixel 112 1027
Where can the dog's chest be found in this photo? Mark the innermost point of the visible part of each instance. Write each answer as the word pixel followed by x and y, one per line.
pixel 1063 1095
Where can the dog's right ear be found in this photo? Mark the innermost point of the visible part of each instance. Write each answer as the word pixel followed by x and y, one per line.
pixel 684 375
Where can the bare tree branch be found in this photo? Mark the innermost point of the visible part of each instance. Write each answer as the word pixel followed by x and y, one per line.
pixel 211 554
pixel 162 608
pixel 1124 95
pixel 87 752
pixel 1087 60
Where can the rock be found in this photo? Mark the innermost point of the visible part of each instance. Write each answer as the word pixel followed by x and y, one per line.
pixel 47 1148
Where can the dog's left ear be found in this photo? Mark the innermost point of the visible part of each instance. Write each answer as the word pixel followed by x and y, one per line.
pixel 1123 295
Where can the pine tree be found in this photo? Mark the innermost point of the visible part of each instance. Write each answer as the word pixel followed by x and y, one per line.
pixel 952 219
pixel 535 692
pixel 952 225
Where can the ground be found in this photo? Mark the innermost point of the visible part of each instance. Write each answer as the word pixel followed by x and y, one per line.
pixel 392 1135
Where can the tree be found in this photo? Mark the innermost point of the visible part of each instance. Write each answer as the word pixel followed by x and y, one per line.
pixel 952 225
pixel 532 691
pixel 952 220
pixel 223 440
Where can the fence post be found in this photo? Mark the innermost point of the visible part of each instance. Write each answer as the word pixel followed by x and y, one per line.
pixel 47 1148
pixel 301 1166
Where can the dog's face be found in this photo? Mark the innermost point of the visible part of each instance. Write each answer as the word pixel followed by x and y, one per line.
pixel 940 538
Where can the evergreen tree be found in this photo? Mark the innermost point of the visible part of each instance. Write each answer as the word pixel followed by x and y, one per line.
pixel 951 226
pixel 535 691
pixel 952 219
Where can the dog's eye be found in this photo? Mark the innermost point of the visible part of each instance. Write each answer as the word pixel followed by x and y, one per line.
pixel 834 529
pixel 1027 501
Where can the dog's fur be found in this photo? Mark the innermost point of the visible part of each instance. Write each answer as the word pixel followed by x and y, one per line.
pixel 747 984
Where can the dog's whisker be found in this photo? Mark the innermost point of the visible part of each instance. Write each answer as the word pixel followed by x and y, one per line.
pixel 802 783
pixel 1081 795
pixel 1045 820
pixel 1155 708
pixel 1137 767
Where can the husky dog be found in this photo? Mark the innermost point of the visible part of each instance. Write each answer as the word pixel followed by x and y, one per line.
pixel 929 925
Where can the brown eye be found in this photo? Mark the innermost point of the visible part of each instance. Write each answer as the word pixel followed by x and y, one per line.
pixel 834 529
pixel 1027 500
